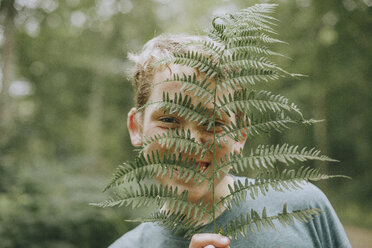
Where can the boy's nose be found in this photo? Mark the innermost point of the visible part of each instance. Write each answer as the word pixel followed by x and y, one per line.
pixel 198 135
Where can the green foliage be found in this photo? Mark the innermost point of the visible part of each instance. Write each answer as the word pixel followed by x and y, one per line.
pixel 246 102
pixel 43 209
pixel 277 180
pixel 179 140
pixel 52 126
pixel 253 222
pixel 252 125
pixel 236 58
pixel 265 156
pixel 159 195
pixel 175 222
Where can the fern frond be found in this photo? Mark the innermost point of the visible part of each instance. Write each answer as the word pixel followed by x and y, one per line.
pixel 249 127
pixel 258 13
pixel 243 101
pixel 178 223
pixel 252 48
pixel 249 38
pixel 265 156
pixel 253 222
pixel 263 8
pixel 182 106
pixel 143 196
pixel 258 16
pixel 243 26
pixel 246 60
pixel 159 195
pixel 277 180
pixel 179 141
pixel 291 179
pixel 155 164
pixel 198 61
pixel 218 37
pixel 246 78
pixel 213 48
pixel 190 83
pixel 252 20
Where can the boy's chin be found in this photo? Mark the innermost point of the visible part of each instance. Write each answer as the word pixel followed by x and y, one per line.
pixel 194 189
pixel 182 184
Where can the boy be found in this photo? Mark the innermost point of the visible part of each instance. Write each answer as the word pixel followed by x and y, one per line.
pixel 324 231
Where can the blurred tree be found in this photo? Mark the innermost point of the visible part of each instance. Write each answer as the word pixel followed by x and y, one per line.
pixel 7 14
pixel 64 96
pixel 70 55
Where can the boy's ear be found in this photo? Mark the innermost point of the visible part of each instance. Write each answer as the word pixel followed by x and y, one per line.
pixel 135 131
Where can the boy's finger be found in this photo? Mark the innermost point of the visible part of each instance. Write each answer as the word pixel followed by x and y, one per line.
pixel 206 239
pixel 212 246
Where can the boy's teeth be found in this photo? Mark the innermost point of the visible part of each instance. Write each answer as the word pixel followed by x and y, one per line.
pixel 203 166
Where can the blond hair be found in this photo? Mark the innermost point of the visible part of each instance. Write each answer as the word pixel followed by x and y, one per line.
pixel 154 50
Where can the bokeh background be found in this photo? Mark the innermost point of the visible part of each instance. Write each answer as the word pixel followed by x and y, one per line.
pixel 64 95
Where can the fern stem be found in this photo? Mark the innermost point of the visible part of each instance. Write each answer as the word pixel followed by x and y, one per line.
pixel 215 109
pixel 214 159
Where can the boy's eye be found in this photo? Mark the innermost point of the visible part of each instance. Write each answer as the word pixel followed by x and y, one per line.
pixel 168 120
pixel 217 124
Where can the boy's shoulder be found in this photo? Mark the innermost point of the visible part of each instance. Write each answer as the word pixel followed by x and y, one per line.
pixel 324 230
pixel 150 234
pixel 135 236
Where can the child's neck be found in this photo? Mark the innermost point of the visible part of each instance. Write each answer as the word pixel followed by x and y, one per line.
pixel 221 190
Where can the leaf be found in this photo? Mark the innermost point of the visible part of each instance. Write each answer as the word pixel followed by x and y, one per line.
pixel 159 165
pixel 190 83
pixel 182 106
pixel 179 141
pixel 245 101
pixel 245 78
pixel 253 221
pixel 198 61
pixel 249 127
pixel 159 195
pixel 264 157
pixel 178 223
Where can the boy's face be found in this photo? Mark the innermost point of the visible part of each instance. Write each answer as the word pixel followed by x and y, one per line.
pixel 155 121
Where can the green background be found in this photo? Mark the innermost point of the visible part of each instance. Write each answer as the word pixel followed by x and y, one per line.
pixel 64 96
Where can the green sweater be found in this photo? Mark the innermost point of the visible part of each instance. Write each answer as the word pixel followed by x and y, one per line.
pixel 324 231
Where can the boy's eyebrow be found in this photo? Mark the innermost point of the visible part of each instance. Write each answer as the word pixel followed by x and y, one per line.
pixel 159 111
pixel 223 114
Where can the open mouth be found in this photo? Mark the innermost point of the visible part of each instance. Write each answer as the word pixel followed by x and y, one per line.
pixel 203 166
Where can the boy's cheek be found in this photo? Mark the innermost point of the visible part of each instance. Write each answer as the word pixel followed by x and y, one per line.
pixel 225 146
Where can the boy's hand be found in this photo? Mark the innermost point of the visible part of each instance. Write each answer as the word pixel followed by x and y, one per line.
pixel 209 240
